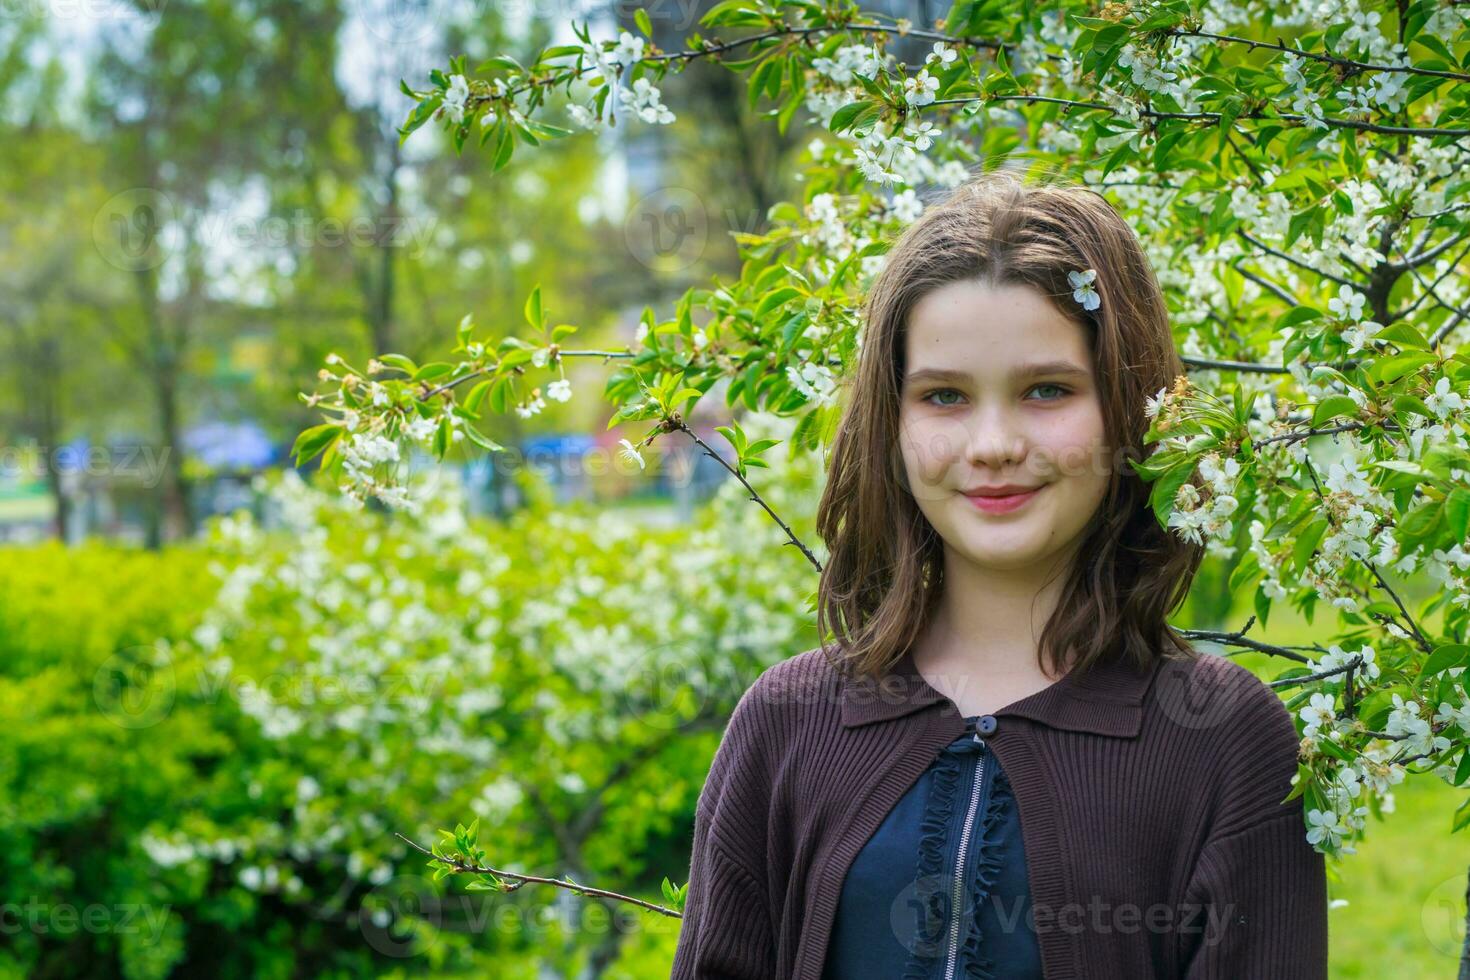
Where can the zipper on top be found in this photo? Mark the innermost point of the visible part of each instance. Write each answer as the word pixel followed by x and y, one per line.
pixel 957 888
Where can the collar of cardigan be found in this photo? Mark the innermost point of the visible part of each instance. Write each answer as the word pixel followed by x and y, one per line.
pixel 1104 700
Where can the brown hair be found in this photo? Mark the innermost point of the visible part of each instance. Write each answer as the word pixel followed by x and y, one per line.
pixel 884 575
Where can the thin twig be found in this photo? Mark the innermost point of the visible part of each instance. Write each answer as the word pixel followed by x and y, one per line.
pixel 1238 638
pixel 1352 67
pixel 520 879
pixel 674 422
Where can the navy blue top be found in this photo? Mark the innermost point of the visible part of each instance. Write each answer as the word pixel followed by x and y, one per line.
pixel 897 915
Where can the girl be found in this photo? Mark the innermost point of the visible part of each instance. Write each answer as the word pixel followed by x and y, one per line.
pixel 1008 765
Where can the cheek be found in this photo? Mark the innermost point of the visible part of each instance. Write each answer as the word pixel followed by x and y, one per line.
pixel 1075 445
pixel 930 446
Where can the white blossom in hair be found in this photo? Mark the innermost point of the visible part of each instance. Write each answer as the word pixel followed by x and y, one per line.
pixel 1082 290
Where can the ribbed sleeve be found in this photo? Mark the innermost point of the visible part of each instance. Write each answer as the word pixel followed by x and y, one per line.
pixel 726 931
pixel 1264 891
pixel 1262 886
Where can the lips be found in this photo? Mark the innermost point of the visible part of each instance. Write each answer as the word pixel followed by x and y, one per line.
pixel 1005 490
pixel 1000 500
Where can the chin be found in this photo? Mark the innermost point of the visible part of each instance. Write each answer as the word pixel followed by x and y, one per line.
pixel 1004 556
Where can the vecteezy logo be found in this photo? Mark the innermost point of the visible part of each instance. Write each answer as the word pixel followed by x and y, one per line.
pixel 129 229
pixel 398 21
pixel 402 916
pixel 135 687
pixel 668 229
pixel 1192 696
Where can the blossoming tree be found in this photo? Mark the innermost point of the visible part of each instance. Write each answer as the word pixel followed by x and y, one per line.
pixel 1297 174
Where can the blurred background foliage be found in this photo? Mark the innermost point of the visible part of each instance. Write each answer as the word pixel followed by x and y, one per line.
pixel 208 744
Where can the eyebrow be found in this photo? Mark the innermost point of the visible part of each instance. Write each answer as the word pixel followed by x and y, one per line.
pixel 1033 370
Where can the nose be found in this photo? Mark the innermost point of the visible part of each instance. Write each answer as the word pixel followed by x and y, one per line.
pixel 995 440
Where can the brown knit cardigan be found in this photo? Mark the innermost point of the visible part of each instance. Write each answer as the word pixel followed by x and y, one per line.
pixel 1157 843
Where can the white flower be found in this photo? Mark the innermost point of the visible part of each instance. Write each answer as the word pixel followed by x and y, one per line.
pixel 630 453
pixel 1455 715
pixel 529 409
pixel 559 390
pixel 582 116
pixel 906 206
pixel 1444 401
pixel 1220 475
pixel 1318 712
pixel 1324 827
pixel 921 88
pixel 1361 334
pixel 1348 303
pixel 854 59
pixel 815 381
pixel 420 429
pixel 943 54
pixel 455 96
pixel 1152 406
pixel 396 497
pixel 166 853
pixel 872 168
pixel 1082 289
pixel 628 51
pixel 920 133
pixel 643 99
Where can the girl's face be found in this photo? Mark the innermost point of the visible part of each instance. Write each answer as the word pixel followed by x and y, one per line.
pixel 1000 396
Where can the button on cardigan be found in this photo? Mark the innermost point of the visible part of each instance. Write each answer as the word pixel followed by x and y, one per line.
pixel 940 889
pixel 1157 836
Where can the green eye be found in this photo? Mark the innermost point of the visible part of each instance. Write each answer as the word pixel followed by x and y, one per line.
pixel 940 391
pixel 1060 390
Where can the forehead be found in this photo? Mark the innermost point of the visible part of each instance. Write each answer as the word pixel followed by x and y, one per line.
pixel 977 328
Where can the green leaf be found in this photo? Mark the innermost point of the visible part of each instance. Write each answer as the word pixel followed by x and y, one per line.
pixel 1262 605
pixel 505 144
pixel 534 314
pixel 419 115
pixel 1445 657
pixel 1166 487
pixel 734 435
pixel 436 369
pixel 1244 573
pixel 479 438
pixel 731 12
pixel 1404 336
pixel 1295 315
pixel 1457 513
pixel 1405 404
pixel 1462 772
pixel 441 446
pixel 476 396
pixel 683 395
pixel 640 16
pixel 1387 370
pixel 1333 407
pixel 314 440
pixel 759 78
pixel 398 361
pixel 774 300
pixel 854 115
pixel 1306 545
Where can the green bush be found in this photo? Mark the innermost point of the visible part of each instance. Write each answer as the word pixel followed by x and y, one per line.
pixel 230 735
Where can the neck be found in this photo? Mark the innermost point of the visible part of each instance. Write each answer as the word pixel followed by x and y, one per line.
pixel 988 621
